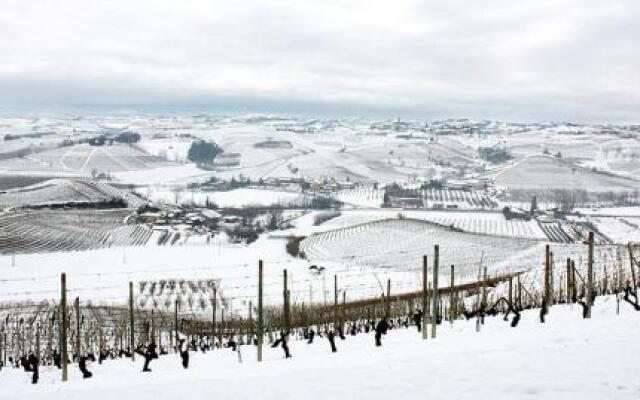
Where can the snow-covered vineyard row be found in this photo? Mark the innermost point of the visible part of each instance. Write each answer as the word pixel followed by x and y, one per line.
pixel 41 231
pixel 50 231
pixel 362 197
pixel 493 224
pixel 396 369
pixel 460 198
pixel 64 191
pixel 614 230
pixel 406 240
pixel 618 229
pixel 431 198
pixel 54 191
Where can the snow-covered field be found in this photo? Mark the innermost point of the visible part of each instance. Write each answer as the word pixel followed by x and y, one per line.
pixel 487 223
pixel 565 358
pixel 243 197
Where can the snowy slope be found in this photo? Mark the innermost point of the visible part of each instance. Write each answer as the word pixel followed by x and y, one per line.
pixel 566 358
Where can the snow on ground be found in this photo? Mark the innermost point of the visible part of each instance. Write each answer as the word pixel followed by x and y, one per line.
pixel 488 223
pixel 566 358
pixel 619 229
pixel 611 211
pixel 362 197
pixel 237 198
pixel 179 174
pixel 102 275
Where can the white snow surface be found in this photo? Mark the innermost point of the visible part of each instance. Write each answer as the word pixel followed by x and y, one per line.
pixel 565 358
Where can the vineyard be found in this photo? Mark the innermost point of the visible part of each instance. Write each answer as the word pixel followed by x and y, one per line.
pixel 405 240
pixel 49 231
pixel 66 191
pixel 486 223
pixel 83 159
pixel 459 199
pixel 362 197
pixel 519 290
pixel 618 229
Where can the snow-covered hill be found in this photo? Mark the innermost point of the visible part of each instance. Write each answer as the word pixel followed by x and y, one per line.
pixel 566 358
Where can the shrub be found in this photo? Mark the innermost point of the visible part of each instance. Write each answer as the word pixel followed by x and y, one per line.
pixel 293 246
pixel 203 152
pixel 324 217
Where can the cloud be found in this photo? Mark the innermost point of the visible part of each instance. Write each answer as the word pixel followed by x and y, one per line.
pixel 543 59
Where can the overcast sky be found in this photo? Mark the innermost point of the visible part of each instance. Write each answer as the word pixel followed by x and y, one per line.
pixel 534 60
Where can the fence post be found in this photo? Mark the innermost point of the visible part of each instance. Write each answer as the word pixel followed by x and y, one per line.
pixel 568 284
pixel 519 293
pixel 251 320
pixel 285 302
pixel 343 314
pixel 38 341
pixel 335 301
pixel 574 287
pixel 547 281
pixel 387 306
pixel 153 328
pixel 633 269
pixel 452 296
pixel 552 279
pixel 260 326
pixel 213 318
pixel 64 357
pixel 590 275
pixel 132 339
pixel 425 298
pixel 221 333
pixel 77 307
pixel 484 291
pixel 175 325
pixel 434 300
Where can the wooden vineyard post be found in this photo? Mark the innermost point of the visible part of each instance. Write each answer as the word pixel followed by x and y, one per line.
pixel 510 297
pixel 590 275
pixel 221 333
pixel 335 301
pixel 159 332
pixel 152 339
pixel 569 292
pixel 50 338
pixel 574 287
pixel 77 307
pixel 452 295
pixel 547 273
pixel 285 302
pixel 634 282
pixel 213 317
pixel 132 342
pixel 343 313
pixel 425 298
pixel 519 293
pixel 175 325
pixel 260 327
pixel 484 289
pixel 434 300
pixel 64 357
pixel 4 346
pixel 23 350
pixel 387 305
pixel 552 283
pixel 251 320
pixel 38 341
